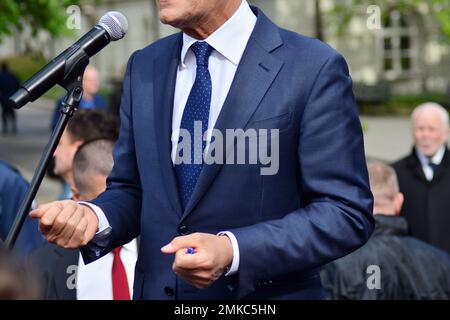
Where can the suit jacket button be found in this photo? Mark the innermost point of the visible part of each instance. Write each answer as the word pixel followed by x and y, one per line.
pixel 169 291
pixel 183 230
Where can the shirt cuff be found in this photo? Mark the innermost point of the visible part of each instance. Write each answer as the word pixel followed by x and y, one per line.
pixel 235 264
pixel 100 240
pixel 103 223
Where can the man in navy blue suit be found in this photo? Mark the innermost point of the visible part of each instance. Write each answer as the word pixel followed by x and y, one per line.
pixel 232 227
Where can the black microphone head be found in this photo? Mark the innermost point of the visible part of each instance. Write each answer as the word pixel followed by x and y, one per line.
pixel 115 24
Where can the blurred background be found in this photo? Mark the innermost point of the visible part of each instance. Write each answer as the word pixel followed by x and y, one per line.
pixel 398 53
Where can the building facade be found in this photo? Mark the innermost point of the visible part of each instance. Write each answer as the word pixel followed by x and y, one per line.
pixel 406 53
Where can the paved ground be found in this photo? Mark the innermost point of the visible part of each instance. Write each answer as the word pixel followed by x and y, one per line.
pixel 387 138
pixel 25 149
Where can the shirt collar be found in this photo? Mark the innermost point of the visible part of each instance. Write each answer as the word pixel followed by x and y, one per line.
pixel 230 39
pixel 436 159
pixel 131 246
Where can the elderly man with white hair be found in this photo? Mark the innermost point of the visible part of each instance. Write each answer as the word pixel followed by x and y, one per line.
pixel 424 176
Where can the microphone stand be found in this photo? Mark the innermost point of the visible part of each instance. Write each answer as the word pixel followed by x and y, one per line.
pixel 73 85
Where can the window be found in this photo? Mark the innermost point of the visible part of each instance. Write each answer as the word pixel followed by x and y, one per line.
pixel 397 42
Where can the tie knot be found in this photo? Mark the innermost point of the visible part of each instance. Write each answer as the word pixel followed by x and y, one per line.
pixel 202 51
pixel 432 165
pixel 116 251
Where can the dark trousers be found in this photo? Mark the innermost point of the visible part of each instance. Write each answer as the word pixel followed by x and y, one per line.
pixel 9 117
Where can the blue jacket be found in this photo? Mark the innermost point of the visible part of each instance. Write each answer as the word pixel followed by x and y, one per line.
pixel 13 188
pixel 9 84
pixel 318 207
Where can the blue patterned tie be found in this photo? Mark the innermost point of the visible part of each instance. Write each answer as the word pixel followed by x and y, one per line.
pixel 196 110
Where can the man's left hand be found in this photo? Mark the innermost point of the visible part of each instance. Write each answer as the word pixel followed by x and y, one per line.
pixel 212 256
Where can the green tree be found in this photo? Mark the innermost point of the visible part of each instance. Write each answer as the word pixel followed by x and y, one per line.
pixel 344 10
pixel 439 10
pixel 46 15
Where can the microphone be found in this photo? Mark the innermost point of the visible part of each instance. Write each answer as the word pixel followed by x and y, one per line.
pixel 111 27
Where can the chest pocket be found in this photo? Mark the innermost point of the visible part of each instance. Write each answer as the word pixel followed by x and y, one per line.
pixel 281 122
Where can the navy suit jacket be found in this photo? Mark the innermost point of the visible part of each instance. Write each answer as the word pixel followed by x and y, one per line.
pixel 13 188
pixel 317 208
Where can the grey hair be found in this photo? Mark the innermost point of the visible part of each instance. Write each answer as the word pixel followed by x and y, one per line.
pixel 432 106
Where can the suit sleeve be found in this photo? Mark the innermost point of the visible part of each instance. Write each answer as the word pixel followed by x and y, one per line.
pixel 335 216
pixel 121 201
pixel 12 193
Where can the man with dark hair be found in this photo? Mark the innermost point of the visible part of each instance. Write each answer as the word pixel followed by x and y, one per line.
pixel 110 277
pixel 86 125
pixel 9 84
pixel 94 124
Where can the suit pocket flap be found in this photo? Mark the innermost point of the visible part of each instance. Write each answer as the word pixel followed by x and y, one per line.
pixel 280 122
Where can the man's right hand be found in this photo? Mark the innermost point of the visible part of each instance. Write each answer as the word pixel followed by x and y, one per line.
pixel 66 223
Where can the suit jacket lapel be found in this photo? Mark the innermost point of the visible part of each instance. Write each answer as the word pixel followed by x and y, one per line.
pixel 442 168
pixel 165 74
pixel 416 167
pixel 256 72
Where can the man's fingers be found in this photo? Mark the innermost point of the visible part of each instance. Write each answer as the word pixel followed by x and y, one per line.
pixel 78 236
pixel 62 218
pixel 71 224
pixel 187 261
pixel 183 242
pixel 40 210
pixel 37 213
pixel 48 218
pixel 200 279
pixel 66 223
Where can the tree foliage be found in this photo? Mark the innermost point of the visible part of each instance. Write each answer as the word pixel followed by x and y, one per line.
pixel 344 10
pixel 39 15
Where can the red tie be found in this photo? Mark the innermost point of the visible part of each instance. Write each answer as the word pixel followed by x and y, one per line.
pixel 119 278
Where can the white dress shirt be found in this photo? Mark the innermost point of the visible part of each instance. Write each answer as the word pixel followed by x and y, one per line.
pixel 94 281
pixel 229 43
pixel 425 162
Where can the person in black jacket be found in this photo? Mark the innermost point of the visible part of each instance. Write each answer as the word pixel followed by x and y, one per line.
pixel 424 177
pixel 391 265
